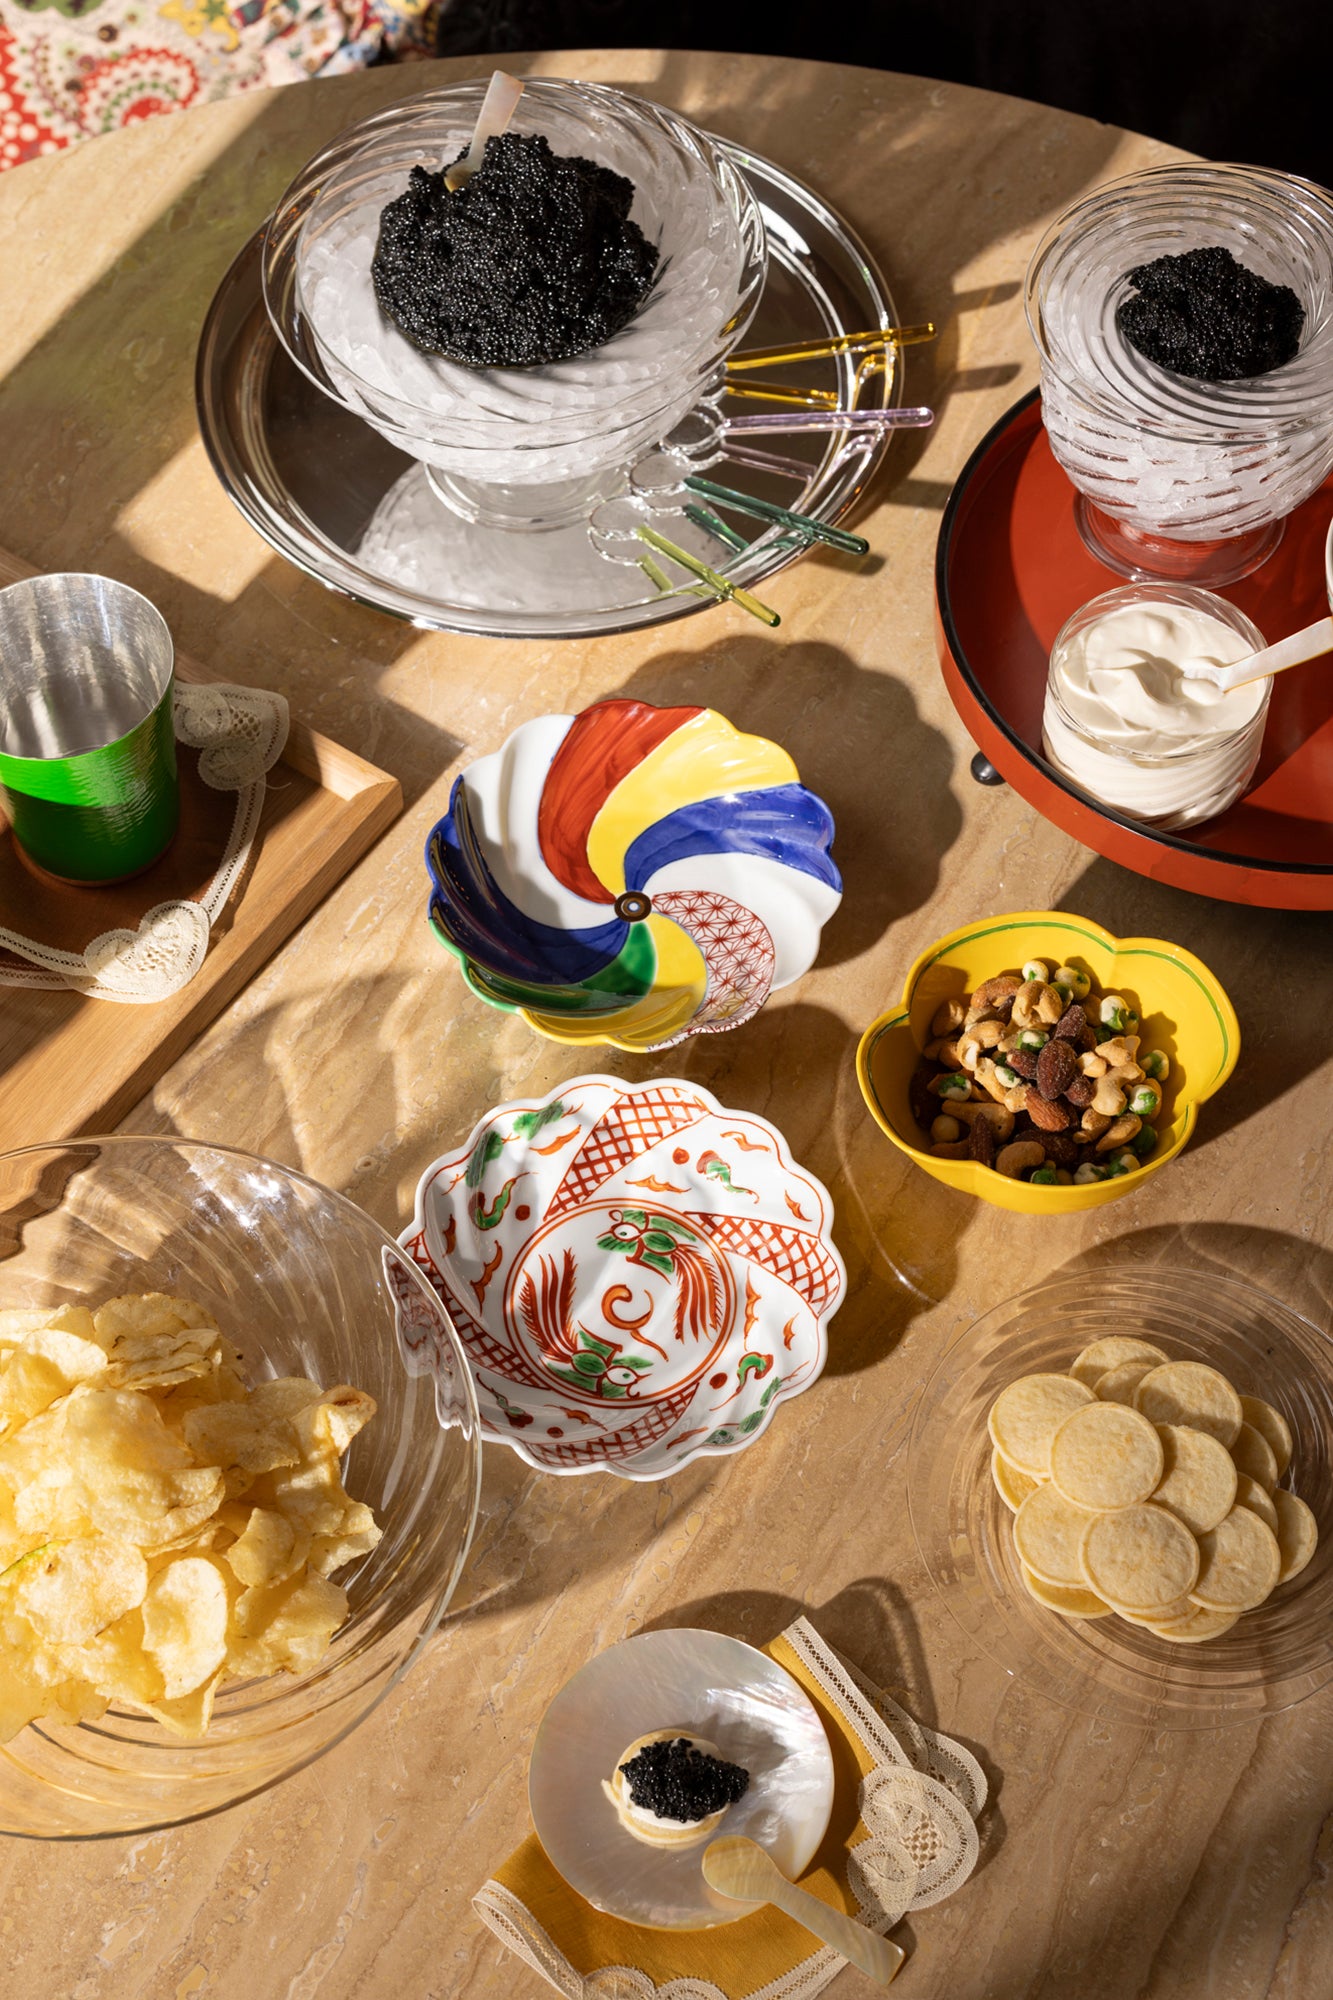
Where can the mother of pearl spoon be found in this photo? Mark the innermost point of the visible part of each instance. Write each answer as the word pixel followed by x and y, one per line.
pixel 739 1867
pixel 1307 644
pixel 497 108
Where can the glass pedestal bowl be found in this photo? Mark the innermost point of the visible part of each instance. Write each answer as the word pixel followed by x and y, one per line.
pixel 520 448
pixel 304 1284
pixel 1180 479
pixel 1107 1668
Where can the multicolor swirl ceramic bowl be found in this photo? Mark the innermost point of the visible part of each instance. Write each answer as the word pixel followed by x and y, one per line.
pixel 1183 1008
pixel 637 1275
pixel 632 875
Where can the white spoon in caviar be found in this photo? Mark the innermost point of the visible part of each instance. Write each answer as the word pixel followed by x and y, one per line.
pixel 1305 645
pixel 740 1868
pixel 497 108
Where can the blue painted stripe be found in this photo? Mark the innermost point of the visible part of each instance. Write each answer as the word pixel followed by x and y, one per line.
pixel 784 823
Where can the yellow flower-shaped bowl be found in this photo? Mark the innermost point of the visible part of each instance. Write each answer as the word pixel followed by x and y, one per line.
pixel 1183 1009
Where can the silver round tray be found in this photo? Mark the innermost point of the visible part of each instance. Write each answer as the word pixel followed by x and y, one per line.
pixel 331 495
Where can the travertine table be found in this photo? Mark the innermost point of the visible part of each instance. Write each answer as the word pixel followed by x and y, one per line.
pixel 1118 1865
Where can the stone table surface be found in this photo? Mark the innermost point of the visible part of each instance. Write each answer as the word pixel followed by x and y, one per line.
pixel 1118 1863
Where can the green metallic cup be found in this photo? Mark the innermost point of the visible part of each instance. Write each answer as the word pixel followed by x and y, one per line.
pixel 87 747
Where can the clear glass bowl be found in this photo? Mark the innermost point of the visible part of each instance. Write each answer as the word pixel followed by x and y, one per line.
pixel 1182 479
pixel 1180 788
pixel 304 1284
pixel 1106 1667
pixel 520 447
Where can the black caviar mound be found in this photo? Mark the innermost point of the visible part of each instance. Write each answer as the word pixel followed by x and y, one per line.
pixel 1204 315
pixel 674 1780
pixel 534 259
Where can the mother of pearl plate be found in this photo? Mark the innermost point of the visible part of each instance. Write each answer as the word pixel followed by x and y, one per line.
pixel 638 1276
pixel 708 1685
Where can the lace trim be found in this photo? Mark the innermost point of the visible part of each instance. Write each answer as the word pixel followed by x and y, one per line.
pixel 918 1805
pixel 241 733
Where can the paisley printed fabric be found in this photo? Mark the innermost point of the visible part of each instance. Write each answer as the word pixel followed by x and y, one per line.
pixel 71 69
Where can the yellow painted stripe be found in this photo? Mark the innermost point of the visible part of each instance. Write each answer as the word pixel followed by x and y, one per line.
pixel 674 999
pixel 705 757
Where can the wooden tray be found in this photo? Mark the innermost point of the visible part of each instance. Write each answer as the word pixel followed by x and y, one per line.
pixel 69 1064
pixel 1010 568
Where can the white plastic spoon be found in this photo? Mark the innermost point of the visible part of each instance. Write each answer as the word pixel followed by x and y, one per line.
pixel 1293 652
pixel 497 108
pixel 739 1867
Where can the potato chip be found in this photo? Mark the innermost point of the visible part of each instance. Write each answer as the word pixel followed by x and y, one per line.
pixel 1139 1558
pixel 1270 1424
pixel 67 1342
pixel 185 1623
pixel 70 1591
pixel 1239 1563
pixel 268 1550
pixel 1070 1603
pixel 333 1421
pixel 1113 1352
pixel 116 1663
pixel 1249 1493
pixel 29 1384
pixel 1026 1415
pixel 1297 1533
pixel 1198 1477
pixel 1190 1393
pixel 1012 1485
pixel 148 1316
pixel 189 1714
pixel 357 1536
pixel 284 1395
pixel 240 1441
pixel 1254 1454
pixel 1196 1626
pixel 1048 1532
pixel 1105 1455
pixel 1117 1385
pixel 17 1322
pixel 287 1626
pixel 23 1698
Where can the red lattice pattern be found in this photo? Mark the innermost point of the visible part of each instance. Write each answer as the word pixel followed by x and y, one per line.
pixel 799 1259
pixel 629 1129
pixel 655 1422
pixel 480 1346
pixel 735 946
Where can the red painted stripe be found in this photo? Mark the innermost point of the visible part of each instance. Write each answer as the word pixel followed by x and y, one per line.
pixel 602 747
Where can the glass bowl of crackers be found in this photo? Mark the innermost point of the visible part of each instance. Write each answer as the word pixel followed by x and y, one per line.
pixel 1121 1485
pixel 239 1467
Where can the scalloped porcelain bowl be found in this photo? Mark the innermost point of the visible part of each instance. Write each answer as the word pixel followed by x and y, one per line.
pixel 638 1276
pixel 303 1283
pixel 1183 1008
pixel 632 875
pixel 1108 1668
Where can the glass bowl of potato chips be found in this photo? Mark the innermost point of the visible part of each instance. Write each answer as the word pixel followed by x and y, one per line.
pixel 239 1468
pixel 1121 1485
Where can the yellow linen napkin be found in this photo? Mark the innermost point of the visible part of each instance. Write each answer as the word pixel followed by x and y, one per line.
pixel 537 1914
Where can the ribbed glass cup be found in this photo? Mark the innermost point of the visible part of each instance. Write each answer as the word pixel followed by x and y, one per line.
pixel 1107 1668
pixel 520 447
pixel 304 1284
pixel 1178 478
pixel 1193 782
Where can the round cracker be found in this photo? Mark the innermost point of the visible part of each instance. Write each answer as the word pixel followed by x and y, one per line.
pixel 1189 1392
pixel 1069 1603
pixel 1117 1385
pixel 1140 1559
pixel 1199 1477
pixel 1025 1417
pixel 1297 1533
pixel 1106 1455
pixel 1047 1532
pixel 1249 1493
pixel 1113 1352
pixel 1012 1485
pixel 1199 1625
pixel 1170 1614
pixel 1239 1563
pixel 1255 1455
pixel 1270 1424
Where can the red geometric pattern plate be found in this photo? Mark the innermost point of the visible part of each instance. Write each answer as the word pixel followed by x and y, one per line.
pixel 637 1275
pixel 1010 568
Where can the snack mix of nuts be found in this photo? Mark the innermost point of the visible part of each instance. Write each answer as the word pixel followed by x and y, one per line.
pixel 1040 1078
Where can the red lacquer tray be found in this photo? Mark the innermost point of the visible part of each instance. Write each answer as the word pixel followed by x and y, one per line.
pixel 1009 570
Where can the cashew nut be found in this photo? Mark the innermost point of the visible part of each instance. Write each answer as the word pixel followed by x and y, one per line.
pixel 973 1040
pixel 949 1055
pixel 1094 1123
pixel 991 1000
pixel 993 1114
pixel 950 1014
pixel 1015 1159
pixel 985 1075
pixel 1120 1133
pixel 1110 1098
pixel 1025 1004
pixel 945 1130
pixel 1050 1005
pixel 1093 1063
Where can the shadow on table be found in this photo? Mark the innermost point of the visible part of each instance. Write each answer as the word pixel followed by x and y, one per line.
pixel 889 841
pixel 1292 1267
pixel 1276 966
